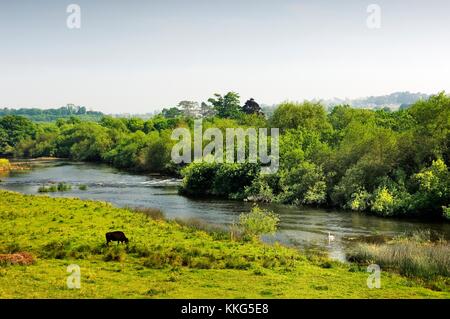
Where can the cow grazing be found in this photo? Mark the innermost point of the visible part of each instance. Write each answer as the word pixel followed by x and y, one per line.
pixel 116 236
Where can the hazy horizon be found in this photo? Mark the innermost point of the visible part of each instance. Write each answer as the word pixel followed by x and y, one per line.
pixel 140 56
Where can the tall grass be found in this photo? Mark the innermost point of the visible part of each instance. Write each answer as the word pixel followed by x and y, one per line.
pixel 216 231
pixel 153 213
pixel 414 255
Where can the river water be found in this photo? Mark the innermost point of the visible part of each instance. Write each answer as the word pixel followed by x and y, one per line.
pixel 305 228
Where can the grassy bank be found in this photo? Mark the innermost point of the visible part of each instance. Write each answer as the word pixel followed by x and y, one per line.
pixel 418 255
pixel 163 259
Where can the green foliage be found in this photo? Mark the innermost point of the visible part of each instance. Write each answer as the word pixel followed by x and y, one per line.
pixel 198 178
pixel 13 129
pixel 303 184
pixel 5 165
pixel 60 187
pixel 221 179
pixel 258 222
pixel 446 212
pixel 383 202
pixel 433 187
pixel 307 115
pixel 49 115
pixel 227 106
pixel 384 162
pixel 231 178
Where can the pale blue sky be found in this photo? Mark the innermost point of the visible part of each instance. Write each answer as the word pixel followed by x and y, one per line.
pixel 138 56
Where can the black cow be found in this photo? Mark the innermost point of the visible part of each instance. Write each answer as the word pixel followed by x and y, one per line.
pixel 116 236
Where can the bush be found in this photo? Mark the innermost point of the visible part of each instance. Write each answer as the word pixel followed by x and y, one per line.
pixel 446 212
pixel 22 258
pixel 258 222
pixel 198 178
pixel 160 260
pixel 82 187
pixel 114 253
pixel 4 164
pixel 303 184
pixel 231 179
pixel 383 202
pixel 56 249
pixel 360 201
pixel 61 187
pixel 260 190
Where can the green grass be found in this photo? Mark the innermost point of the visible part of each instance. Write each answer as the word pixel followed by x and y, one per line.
pixel 163 259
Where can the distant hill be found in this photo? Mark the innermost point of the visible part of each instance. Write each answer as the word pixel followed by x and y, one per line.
pixel 49 115
pixel 392 101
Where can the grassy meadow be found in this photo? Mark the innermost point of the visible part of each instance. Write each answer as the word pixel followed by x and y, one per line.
pixel 165 259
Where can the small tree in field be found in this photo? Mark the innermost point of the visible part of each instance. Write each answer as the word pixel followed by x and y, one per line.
pixel 258 222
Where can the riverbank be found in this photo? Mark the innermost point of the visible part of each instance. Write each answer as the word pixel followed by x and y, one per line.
pixel 163 259
pixel 7 166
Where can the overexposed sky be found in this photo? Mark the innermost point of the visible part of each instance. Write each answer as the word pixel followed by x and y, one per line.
pixel 137 56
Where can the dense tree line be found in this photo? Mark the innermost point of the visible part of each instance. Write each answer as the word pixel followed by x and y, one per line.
pixel 49 115
pixel 386 163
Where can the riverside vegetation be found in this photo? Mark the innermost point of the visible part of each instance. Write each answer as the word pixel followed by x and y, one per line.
pixel 165 259
pixel 374 161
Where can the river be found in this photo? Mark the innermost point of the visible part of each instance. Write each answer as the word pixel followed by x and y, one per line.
pixel 305 228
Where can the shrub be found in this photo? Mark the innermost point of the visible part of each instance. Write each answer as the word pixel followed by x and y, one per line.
pixel 63 187
pixel 4 164
pixel 22 258
pixel 259 190
pixel 82 187
pixel 258 222
pixel 56 249
pixel 383 202
pixel 198 178
pixel 232 178
pixel 114 253
pixel 359 201
pixel 446 212
pixel 160 260
pixel 303 184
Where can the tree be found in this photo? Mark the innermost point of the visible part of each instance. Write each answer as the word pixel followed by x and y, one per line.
pixel 251 107
pixel 227 106
pixel 206 110
pixel 170 113
pixel 307 115
pixel 13 129
pixel 189 108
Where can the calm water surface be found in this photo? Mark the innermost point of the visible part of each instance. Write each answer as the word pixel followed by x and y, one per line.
pixel 301 227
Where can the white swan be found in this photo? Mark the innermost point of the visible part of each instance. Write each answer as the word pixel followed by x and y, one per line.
pixel 330 237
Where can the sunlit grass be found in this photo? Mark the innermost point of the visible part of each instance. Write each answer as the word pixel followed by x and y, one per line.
pixel 163 259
